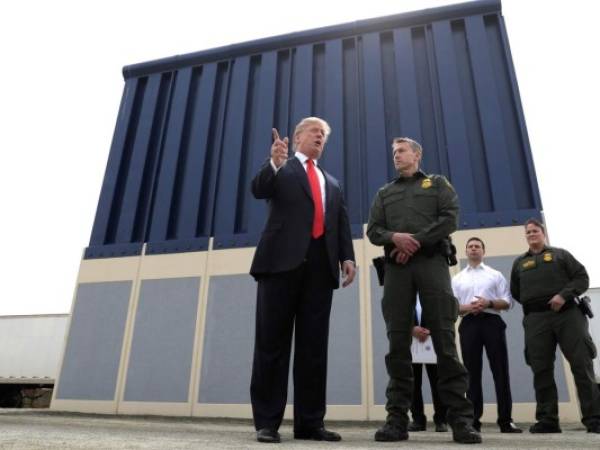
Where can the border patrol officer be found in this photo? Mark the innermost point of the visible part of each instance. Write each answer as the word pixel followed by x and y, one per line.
pixel 411 217
pixel 545 280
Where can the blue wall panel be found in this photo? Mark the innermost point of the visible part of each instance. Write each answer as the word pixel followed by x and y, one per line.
pixel 196 165
pixel 139 157
pixel 376 153
pixel 454 112
pixel 192 130
pixel 233 151
pixel 352 133
pixel 406 78
pixel 263 119
pixel 488 105
pixel 166 204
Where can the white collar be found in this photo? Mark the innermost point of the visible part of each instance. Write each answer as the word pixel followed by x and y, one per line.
pixel 480 266
pixel 303 158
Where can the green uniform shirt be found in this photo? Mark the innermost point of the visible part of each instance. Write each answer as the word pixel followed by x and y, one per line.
pixel 425 206
pixel 536 278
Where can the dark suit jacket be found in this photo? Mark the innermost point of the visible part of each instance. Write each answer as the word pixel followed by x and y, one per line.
pixel 287 233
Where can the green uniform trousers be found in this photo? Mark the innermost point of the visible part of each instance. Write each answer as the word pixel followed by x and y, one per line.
pixel 429 277
pixel 543 330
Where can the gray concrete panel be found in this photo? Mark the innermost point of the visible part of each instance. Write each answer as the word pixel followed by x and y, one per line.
pixel 229 344
pixel 228 340
pixel 91 361
pixel 160 360
pixel 380 342
pixel 344 359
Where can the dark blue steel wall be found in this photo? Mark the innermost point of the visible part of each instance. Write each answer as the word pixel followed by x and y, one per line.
pixel 192 130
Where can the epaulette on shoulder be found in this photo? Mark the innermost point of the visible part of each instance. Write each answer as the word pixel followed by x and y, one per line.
pixel 440 179
pixel 387 185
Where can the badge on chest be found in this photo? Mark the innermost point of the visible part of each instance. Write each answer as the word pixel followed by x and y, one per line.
pixel 528 264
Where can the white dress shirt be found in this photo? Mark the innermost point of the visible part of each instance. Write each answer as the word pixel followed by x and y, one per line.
pixel 482 281
pixel 303 158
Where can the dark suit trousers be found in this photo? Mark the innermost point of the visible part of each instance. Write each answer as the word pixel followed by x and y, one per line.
pixel 417 408
pixel 476 333
pixel 296 301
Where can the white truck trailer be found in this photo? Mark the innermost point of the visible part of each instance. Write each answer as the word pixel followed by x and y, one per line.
pixel 30 351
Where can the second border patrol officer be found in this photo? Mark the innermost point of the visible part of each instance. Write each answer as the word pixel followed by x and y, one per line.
pixel 411 217
pixel 545 280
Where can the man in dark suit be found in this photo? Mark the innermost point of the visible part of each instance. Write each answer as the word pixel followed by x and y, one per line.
pixel 305 242
pixel 419 422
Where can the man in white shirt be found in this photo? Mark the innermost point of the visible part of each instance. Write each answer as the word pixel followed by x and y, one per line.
pixel 483 293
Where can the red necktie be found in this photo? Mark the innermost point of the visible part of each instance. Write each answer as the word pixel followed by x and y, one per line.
pixel 315 188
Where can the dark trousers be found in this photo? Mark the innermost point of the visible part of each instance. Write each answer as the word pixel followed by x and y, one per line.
pixel 476 333
pixel 429 277
pixel 299 302
pixel 417 409
pixel 568 329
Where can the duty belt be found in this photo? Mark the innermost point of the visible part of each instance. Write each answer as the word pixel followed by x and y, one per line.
pixel 543 307
pixel 428 251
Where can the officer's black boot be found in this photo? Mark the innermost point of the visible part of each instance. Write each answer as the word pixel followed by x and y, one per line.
pixel 441 427
pixel 545 427
pixel 418 424
pixel 464 433
pixel 391 432
pixel 593 427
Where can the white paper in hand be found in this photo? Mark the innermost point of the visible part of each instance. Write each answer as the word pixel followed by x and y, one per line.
pixel 423 352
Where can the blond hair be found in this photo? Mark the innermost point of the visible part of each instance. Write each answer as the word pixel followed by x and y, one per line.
pixel 306 122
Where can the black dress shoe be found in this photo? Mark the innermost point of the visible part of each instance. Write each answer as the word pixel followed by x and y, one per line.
pixel 594 427
pixel 464 433
pixel 317 434
pixel 477 425
pixel 510 428
pixel 545 427
pixel 391 432
pixel 417 426
pixel 441 427
pixel 268 435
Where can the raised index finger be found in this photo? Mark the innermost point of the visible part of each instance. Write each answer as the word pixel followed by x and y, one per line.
pixel 275 134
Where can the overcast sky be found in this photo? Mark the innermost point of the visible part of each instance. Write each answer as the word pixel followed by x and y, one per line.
pixel 61 84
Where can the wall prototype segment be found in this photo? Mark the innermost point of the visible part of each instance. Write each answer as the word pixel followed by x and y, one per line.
pixel 176 225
